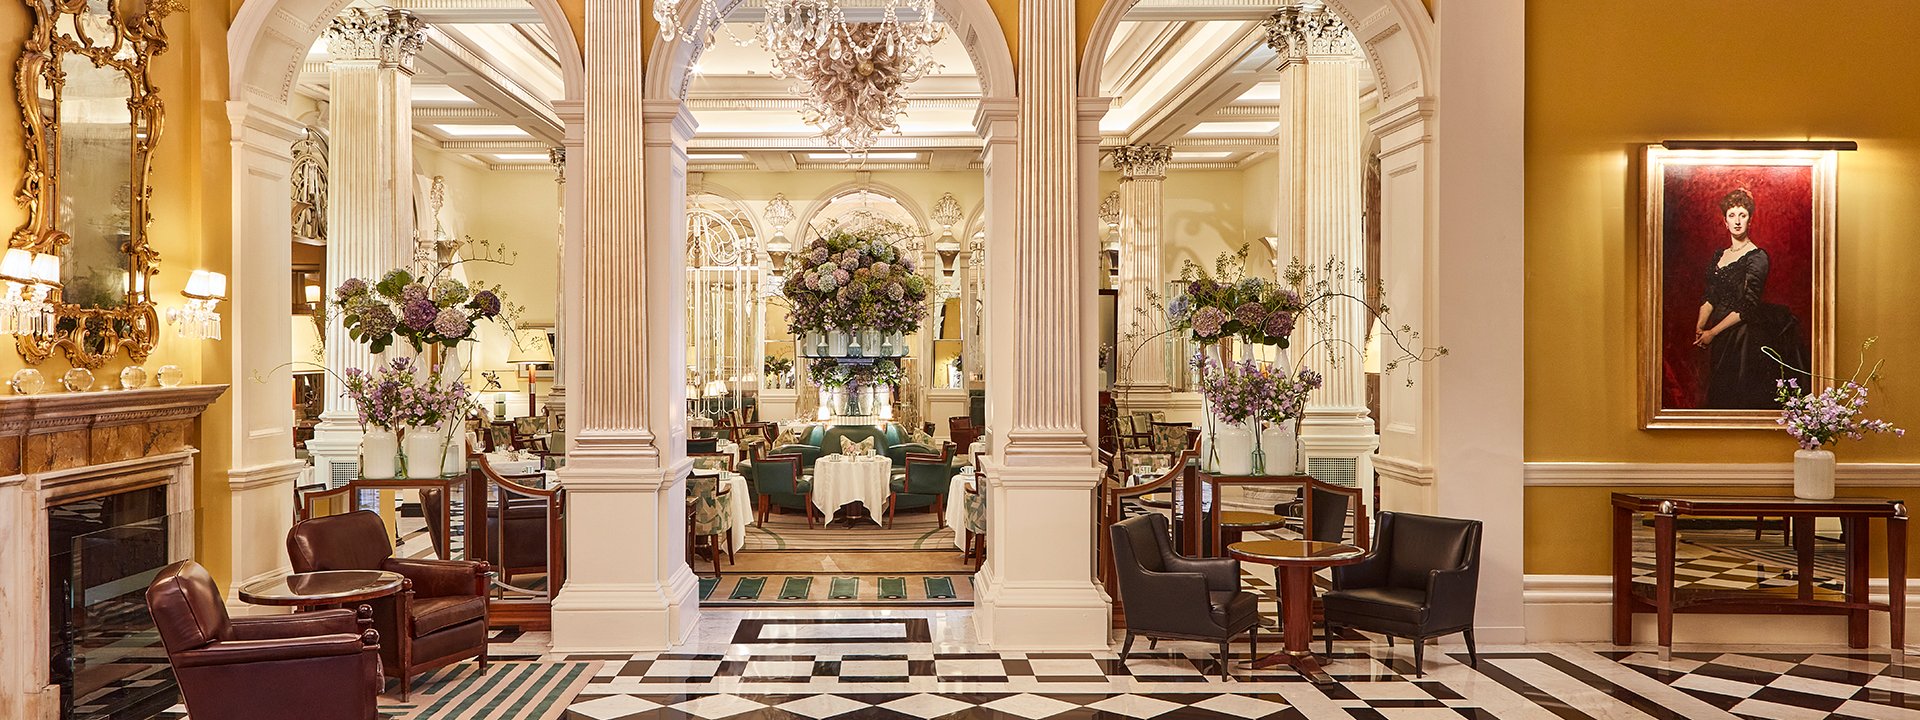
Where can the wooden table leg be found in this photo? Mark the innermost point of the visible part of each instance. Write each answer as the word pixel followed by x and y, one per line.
pixel 1622 576
pixel 1803 551
pixel 1897 581
pixel 1663 578
pixel 1855 530
pixel 1296 629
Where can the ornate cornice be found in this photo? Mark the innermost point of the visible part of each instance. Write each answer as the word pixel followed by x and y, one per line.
pixel 393 37
pixel 1136 162
pixel 1297 31
pixel 947 211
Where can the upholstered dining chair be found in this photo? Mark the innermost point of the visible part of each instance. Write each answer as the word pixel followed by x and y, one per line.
pixel 777 481
pixel 976 537
pixel 321 665
pixel 710 516
pixel 440 621
pixel 713 461
pixel 697 446
pixel 1421 582
pixel 925 480
pixel 808 454
pixel 898 453
pixel 1169 595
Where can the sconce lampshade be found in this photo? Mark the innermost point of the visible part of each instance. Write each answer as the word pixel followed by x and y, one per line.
pixel 46 269
pixel 313 294
pixel 17 265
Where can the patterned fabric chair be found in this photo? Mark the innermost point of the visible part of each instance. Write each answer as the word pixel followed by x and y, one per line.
pixel 711 462
pixel 709 515
pixel 777 481
pixel 976 524
pixel 1170 437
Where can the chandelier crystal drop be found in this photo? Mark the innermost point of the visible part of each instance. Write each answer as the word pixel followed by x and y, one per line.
pixel 852 75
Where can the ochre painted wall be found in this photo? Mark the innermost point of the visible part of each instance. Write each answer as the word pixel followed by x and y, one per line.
pixel 1603 80
pixel 189 229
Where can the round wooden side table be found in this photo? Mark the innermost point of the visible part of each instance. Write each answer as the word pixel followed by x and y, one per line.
pixel 1296 560
pixel 324 587
pixel 1234 524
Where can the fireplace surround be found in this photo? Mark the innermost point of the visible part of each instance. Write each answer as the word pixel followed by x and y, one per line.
pixel 67 450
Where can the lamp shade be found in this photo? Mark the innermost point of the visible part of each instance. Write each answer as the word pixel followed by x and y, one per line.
pixel 531 348
pixel 217 285
pixel 504 380
pixel 197 285
pixel 17 265
pixel 46 268
pixel 313 294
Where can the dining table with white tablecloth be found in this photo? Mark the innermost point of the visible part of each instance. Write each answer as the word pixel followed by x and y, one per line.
pixel 511 463
pixel 957 506
pixel 842 479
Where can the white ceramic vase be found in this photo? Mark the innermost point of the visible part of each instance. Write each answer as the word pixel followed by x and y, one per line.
pixel 378 451
pixel 837 342
pixel 1235 443
pixel 1281 445
pixel 1813 474
pixel 422 447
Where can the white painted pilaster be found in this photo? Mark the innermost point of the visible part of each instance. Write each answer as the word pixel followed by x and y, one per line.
pixel 1042 383
pixel 1143 175
pixel 369 194
pixel 1405 459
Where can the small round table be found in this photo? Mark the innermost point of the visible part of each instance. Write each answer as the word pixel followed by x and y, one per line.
pixel 1296 560
pixel 1236 523
pixel 323 587
pixel 840 480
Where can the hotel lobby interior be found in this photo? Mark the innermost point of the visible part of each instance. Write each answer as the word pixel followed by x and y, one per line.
pixel 956 360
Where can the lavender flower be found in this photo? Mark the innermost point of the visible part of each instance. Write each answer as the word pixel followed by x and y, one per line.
pixel 1823 418
pixel 419 314
pixel 1207 322
pixel 1278 325
pixel 351 288
pixel 1250 314
pixel 414 292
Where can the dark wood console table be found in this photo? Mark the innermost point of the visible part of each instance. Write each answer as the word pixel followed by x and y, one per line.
pixel 1854 513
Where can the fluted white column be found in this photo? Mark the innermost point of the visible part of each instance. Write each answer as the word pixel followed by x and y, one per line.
pixel 1143 174
pixel 369 193
pixel 628 585
pixel 1320 206
pixel 557 394
pixel 1037 589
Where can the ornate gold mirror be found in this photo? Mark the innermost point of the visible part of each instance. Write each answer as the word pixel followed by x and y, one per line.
pixel 92 117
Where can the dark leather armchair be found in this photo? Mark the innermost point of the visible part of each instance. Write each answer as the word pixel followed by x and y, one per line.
pixel 306 666
pixel 441 620
pixel 1168 595
pixel 1420 582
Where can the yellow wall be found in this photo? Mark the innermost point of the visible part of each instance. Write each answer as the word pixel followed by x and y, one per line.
pixel 1603 80
pixel 190 225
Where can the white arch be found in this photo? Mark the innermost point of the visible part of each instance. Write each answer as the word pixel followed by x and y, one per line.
pixel 269 39
pixel 1395 35
pixel 898 196
pixel 972 21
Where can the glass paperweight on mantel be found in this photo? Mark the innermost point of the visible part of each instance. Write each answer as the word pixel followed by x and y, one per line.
pixel 77 380
pixel 171 376
pixel 28 381
pixel 132 377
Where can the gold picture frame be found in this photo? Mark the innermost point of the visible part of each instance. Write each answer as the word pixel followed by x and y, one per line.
pixel 1780 269
pixel 99 51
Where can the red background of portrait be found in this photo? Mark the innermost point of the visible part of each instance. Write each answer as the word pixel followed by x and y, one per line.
pixel 1695 232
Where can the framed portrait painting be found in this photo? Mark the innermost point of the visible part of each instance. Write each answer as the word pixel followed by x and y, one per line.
pixel 1737 272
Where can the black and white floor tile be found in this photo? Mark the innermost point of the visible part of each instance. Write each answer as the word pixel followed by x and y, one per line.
pixel 923 665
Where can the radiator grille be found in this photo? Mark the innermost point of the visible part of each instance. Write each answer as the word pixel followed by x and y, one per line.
pixel 1334 470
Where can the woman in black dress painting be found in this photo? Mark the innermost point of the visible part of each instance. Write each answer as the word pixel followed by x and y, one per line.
pixel 1735 325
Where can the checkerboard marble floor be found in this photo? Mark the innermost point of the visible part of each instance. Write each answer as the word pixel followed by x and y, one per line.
pixel 927 665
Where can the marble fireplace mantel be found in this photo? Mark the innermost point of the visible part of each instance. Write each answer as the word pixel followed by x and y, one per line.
pixel 63 447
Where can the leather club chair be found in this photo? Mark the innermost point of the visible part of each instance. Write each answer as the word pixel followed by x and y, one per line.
pixel 321 665
pixel 440 620
pixel 1168 595
pixel 1420 582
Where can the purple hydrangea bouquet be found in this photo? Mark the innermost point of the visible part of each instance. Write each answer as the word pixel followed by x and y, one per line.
pixel 1229 303
pixel 420 311
pixel 393 399
pixel 1252 391
pixel 845 281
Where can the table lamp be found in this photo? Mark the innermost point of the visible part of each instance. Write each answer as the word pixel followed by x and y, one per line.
pixel 530 351
pixel 501 383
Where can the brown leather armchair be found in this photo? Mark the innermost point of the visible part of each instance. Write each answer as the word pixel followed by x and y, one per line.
pixel 1169 595
pixel 440 620
pixel 307 666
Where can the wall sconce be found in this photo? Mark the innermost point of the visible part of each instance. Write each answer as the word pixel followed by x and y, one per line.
pixel 31 278
pixel 199 319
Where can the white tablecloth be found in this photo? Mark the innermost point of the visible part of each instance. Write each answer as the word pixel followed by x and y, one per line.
pixel 841 479
pixel 957 508
pixel 511 464
pixel 742 507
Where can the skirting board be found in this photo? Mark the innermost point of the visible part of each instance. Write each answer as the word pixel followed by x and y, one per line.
pixel 1579 608
pixel 1622 474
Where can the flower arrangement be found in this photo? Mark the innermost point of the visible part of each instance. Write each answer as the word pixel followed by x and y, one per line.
pixel 1819 419
pixel 1229 303
pixel 420 311
pixel 833 375
pixel 392 397
pixel 1249 390
pixel 854 280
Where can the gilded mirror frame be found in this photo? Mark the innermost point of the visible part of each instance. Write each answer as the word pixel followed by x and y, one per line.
pixel 90 336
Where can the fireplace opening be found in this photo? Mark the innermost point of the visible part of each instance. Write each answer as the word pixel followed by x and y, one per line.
pixel 106 655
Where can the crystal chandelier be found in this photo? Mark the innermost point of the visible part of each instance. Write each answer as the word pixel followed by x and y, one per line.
pixel 31 278
pixel 852 75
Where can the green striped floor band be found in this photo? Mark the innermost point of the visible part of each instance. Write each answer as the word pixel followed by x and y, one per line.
pixel 940 588
pixel 893 588
pixel 707 585
pixel 748 588
pixel 796 588
pixel 844 588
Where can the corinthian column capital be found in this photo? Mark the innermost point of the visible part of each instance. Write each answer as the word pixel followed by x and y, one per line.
pixel 1142 162
pixel 1296 31
pixel 390 36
